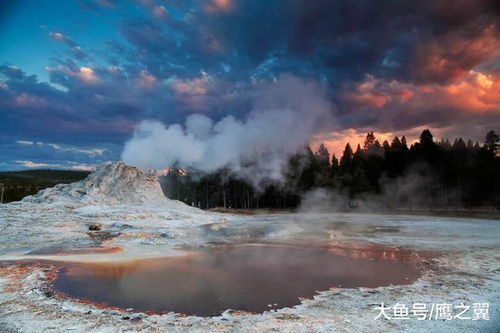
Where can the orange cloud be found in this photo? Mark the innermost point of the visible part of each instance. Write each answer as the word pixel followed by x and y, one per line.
pixel 453 55
pixel 146 80
pixel 87 74
pixel 84 74
pixel 405 95
pixel 366 94
pixel 376 93
pixel 193 92
pixel 398 105
pixel 192 87
pixel 476 92
pixel 219 6
pixel 160 12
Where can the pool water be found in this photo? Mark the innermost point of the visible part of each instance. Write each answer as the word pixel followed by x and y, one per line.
pixel 252 278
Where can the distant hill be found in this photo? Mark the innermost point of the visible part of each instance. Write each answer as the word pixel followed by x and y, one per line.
pixel 18 184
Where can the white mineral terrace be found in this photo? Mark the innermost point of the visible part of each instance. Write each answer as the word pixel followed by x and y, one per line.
pixel 54 225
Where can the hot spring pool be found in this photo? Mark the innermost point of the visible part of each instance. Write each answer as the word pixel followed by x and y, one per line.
pixel 248 277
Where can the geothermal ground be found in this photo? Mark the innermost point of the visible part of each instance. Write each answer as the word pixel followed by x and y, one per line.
pixel 65 247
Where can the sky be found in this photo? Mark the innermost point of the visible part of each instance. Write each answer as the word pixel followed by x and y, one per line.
pixel 77 76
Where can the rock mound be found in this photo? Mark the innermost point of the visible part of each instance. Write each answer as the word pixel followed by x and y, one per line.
pixel 112 183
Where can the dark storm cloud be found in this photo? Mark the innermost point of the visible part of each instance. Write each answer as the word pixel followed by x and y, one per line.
pixel 42 110
pixel 341 41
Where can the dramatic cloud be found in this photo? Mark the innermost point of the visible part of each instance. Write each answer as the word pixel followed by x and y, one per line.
pixel 387 66
pixel 392 105
pixel 452 56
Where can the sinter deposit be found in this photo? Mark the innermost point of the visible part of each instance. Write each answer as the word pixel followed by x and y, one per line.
pixel 111 183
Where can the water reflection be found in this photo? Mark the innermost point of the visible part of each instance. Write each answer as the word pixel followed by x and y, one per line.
pixel 244 277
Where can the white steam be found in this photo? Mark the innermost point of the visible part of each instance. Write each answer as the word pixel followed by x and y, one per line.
pixel 284 117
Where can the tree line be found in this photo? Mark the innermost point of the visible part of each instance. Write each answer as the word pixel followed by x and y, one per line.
pixel 426 174
pixel 15 185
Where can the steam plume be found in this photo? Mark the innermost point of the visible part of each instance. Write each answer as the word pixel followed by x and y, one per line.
pixel 284 117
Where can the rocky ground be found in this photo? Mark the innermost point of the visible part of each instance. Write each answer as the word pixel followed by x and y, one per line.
pixel 99 220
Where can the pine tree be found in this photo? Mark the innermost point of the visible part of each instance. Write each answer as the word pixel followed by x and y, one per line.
pixel 346 159
pixel 334 164
pixel 323 166
pixel 403 143
pixel 323 156
pixel 492 142
pixel 369 141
